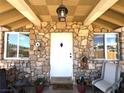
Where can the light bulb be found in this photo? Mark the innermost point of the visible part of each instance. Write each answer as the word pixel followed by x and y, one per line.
pixel 62 13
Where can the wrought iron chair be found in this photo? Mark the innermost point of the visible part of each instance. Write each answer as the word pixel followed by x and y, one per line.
pixel 110 78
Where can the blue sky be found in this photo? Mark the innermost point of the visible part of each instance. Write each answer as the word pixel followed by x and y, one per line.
pixel 23 40
pixel 98 40
pixel 110 40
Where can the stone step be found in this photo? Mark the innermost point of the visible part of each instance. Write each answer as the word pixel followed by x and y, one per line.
pixel 61 80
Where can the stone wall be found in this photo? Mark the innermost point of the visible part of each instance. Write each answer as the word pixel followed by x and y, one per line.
pixel 38 64
pixel 40 58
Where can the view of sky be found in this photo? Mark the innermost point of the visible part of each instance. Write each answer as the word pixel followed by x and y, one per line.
pixel 23 40
pixel 110 40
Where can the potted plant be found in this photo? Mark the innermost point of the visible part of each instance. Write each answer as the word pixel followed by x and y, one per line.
pixel 40 84
pixel 81 84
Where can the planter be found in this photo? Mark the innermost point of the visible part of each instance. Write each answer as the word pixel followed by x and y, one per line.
pixel 81 88
pixel 39 88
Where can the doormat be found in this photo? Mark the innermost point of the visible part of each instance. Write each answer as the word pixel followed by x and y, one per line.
pixel 63 86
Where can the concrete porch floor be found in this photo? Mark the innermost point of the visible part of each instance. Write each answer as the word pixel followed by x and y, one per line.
pixel 50 90
pixel 88 90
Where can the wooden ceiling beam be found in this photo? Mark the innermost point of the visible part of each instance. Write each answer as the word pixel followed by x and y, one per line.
pixel 119 8
pixel 4 6
pixel 23 8
pixel 100 8
pixel 9 17
pixel 105 24
pixel 113 17
pixel 19 24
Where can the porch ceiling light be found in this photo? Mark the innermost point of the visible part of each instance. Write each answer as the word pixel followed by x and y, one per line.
pixel 62 12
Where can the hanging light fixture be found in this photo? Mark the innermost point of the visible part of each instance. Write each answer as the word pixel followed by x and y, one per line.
pixel 62 12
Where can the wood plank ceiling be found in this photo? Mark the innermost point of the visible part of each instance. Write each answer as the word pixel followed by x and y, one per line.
pixel 45 10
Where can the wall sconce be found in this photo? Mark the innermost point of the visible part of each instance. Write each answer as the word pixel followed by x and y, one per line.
pixel 62 12
pixel 37 46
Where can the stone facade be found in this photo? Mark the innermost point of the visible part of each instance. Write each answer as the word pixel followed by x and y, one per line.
pixel 38 64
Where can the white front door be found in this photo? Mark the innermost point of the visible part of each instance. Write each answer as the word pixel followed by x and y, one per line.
pixel 61 55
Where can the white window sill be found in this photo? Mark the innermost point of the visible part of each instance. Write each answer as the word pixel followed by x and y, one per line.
pixel 106 59
pixel 16 58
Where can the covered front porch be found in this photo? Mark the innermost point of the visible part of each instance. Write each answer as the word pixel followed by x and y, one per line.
pixel 28 48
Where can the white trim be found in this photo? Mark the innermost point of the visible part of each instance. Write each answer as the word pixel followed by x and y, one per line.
pixel 105 33
pixel 5 47
pixel 18 46
pixel 105 46
pixel 14 58
pixel 5 43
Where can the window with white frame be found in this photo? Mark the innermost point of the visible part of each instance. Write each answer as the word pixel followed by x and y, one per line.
pixel 17 45
pixel 106 46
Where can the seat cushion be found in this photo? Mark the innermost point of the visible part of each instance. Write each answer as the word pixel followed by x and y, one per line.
pixel 103 85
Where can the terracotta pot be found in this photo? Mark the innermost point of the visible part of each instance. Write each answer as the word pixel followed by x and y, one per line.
pixel 39 89
pixel 81 88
